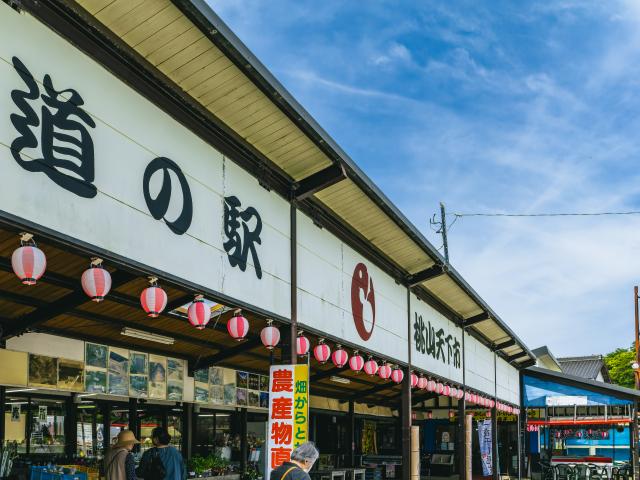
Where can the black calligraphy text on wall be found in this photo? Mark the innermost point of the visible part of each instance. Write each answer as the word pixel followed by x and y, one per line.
pixel 159 205
pixel 435 343
pixel 66 148
pixel 242 229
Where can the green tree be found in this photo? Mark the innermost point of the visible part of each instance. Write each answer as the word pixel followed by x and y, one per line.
pixel 619 364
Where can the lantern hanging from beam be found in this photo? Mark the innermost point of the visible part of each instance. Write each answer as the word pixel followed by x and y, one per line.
pixel 384 371
pixel 453 392
pixel 356 362
pixel 439 388
pixel 446 390
pixel 238 326
pixel 322 352
pixel 153 298
pixel 199 313
pixel 270 335
pixel 371 367
pixel 340 357
pixel 96 281
pixel 422 383
pixel 28 261
pixel 460 394
pixel 302 345
pixel 414 380
pixel 397 375
pixel 431 386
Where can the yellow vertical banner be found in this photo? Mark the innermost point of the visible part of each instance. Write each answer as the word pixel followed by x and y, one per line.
pixel 301 405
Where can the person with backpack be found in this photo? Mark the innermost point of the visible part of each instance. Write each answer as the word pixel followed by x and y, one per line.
pixel 162 462
pixel 302 459
pixel 119 463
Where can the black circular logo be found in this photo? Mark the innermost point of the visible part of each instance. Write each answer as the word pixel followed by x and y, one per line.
pixel 159 205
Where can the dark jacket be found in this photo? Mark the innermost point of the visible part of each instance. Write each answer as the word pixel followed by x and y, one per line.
pixel 295 474
pixel 171 459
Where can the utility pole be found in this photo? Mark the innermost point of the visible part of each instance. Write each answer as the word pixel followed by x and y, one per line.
pixel 442 229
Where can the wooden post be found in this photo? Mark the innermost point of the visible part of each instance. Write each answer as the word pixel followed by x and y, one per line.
pixel 633 441
pixel 106 427
pixel 3 399
pixel 244 450
pixel 468 434
pixel 187 430
pixel 133 420
pixel 70 427
pixel 293 334
pixel 406 425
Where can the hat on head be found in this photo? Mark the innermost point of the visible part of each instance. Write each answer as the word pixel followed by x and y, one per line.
pixel 125 437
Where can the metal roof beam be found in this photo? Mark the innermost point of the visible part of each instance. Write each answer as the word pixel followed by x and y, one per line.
pixel 467 322
pixel 60 306
pixel 318 181
pixel 325 374
pixel 503 345
pixel 378 388
pixel 517 356
pixel 431 272
pixel 227 353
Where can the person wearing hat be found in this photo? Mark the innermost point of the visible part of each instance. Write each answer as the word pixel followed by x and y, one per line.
pixel 119 462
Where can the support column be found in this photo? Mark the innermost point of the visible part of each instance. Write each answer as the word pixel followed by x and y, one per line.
pixel 133 420
pixel 187 430
pixel 3 400
pixel 462 407
pixel 70 428
pixel 244 449
pixel 633 429
pixel 468 432
pixel 106 427
pixel 352 434
pixel 522 446
pixel 494 421
pixel 293 234
pixel 406 425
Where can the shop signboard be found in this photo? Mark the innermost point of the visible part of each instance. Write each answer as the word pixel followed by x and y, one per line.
pixel 288 424
pixel 118 173
pixel 436 342
pixel 344 295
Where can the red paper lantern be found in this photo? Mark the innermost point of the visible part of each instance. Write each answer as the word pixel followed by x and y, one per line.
pixel 199 313
pixel 270 335
pixel 460 393
pixel 238 326
pixel 431 386
pixel 339 357
pixel 453 393
pixel 28 263
pixel 446 390
pixel 422 383
pixel 302 345
pixel 371 367
pixel 491 404
pixel 153 300
pixel 414 380
pixel 384 371
pixel 322 352
pixel 397 375
pixel 356 362
pixel 439 388
pixel 96 281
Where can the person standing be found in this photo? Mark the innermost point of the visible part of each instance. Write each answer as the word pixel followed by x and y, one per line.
pixel 119 462
pixel 163 462
pixel 302 460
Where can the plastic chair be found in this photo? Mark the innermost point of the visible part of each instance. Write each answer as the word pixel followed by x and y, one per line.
pixel 565 472
pixel 598 473
pixel 582 472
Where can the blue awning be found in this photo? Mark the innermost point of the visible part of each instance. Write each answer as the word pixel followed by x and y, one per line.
pixel 536 391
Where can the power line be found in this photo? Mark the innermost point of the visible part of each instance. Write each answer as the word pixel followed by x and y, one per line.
pixel 574 214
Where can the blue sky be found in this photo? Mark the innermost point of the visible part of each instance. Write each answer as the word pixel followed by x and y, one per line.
pixel 494 106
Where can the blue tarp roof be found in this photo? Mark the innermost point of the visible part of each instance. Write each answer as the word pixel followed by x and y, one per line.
pixel 536 391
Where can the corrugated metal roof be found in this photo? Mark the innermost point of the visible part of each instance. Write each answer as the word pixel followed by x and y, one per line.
pixel 586 367
pixel 190 45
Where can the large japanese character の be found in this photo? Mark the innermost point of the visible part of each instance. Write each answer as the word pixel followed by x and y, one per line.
pixel 66 149
pixel 241 241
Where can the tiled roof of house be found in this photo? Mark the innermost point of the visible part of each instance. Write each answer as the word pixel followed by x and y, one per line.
pixel 586 367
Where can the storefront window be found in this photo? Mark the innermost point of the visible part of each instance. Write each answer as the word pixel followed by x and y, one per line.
pixel 174 425
pixel 148 421
pixel 15 421
pixel 119 422
pixel 47 426
pixel 217 433
pixel 90 431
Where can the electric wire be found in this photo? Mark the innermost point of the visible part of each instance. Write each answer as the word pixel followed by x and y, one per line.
pixel 570 214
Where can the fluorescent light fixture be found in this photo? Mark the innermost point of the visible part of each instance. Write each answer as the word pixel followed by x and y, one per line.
pixel 346 381
pixel 21 390
pixel 150 337
pixel 82 395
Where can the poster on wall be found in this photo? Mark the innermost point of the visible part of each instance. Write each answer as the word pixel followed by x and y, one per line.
pixel 96 355
pixel 95 381
pixel 118 371
pixel 43 371
pixel 175 379
pixel 70 375
pixel 15 413
pixel 157 377
pixel 18 374
pixel 288 412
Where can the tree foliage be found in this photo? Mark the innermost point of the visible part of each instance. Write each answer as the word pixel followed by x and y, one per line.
pixel 619 364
